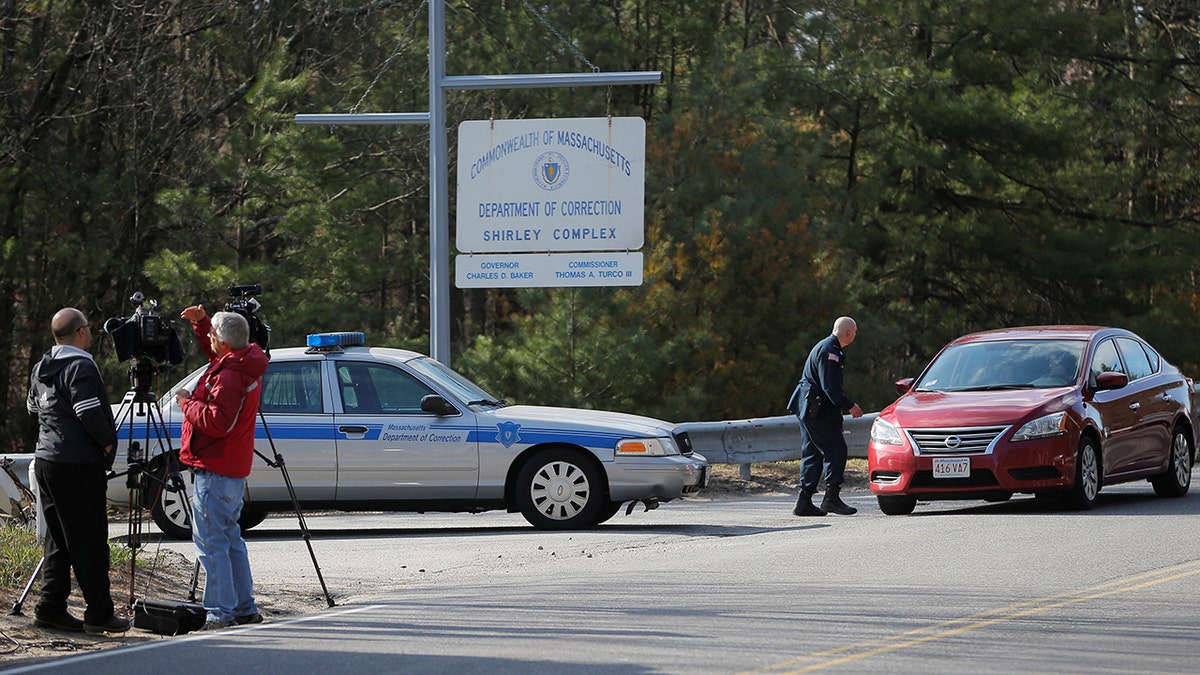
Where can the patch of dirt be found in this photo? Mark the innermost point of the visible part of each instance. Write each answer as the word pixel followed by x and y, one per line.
pixel 773 478
pixel 170 579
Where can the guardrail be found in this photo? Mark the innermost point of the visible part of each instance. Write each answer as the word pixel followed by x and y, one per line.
pixel 20 465
pixel 765 439
pixel 10 493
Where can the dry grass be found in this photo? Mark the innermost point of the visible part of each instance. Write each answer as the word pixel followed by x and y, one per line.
pixel 774 478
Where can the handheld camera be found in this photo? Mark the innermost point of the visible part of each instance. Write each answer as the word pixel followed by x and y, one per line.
pixel 242 301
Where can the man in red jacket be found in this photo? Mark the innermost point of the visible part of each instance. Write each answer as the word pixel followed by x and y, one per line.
pixel 218 443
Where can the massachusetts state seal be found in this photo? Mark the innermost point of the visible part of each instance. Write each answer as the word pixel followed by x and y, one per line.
pixel 550 171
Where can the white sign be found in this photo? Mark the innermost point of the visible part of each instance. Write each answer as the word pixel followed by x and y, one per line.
pixel 551 185
pixel 548 270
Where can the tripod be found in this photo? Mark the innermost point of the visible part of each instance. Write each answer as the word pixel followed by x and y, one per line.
pixel 140 403
pixel 278 463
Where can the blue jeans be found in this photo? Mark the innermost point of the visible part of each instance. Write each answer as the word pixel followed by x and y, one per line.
pixel 216 506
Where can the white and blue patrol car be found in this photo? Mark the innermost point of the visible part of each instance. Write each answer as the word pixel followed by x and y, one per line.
pixel 368 428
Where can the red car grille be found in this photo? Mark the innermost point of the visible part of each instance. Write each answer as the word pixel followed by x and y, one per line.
pixel 959 441
pixel 980 478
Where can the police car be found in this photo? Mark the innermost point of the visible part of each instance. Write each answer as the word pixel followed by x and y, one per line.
pixel 368 428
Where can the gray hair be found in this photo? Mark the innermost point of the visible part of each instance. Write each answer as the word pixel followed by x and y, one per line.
pixel 232 328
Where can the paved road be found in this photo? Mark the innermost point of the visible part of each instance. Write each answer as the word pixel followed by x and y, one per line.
pixel 735 586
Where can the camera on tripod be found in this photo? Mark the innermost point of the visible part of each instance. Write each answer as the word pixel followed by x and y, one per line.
pixel 146 335
pixel 242 301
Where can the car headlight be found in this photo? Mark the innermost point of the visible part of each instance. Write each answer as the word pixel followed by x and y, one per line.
pixel 883 433
pixel 647 447
pixel 1043 427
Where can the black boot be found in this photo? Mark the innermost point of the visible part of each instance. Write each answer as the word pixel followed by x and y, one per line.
pixel 832 503
pixel 804 505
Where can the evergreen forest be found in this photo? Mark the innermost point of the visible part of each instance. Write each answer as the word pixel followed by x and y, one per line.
pixel 929 167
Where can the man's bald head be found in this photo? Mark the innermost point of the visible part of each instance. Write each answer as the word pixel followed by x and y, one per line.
pixel 66 324
pixel 845 329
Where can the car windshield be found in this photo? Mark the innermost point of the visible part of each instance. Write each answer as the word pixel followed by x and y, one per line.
pixel 464 389
pixel 1005 364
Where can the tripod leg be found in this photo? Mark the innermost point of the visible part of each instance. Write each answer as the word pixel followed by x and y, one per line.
pixel 176 484
pixel 287 480
pixel 304 528
pixel 16 608
pixel 195 582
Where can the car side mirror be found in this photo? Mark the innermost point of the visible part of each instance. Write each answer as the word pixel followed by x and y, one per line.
pixel 902 386
pixel 432 403
pixel 1111 380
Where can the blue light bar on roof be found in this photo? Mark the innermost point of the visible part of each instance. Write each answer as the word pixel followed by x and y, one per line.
pixel 337 340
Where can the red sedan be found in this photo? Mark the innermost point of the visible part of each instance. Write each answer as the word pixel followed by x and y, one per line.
pixel 1056 411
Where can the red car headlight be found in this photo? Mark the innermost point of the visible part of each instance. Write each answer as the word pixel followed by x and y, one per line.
pixel 883 433
pixel 1043 427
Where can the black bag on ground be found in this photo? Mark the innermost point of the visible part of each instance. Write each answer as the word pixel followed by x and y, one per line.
pixel 168 617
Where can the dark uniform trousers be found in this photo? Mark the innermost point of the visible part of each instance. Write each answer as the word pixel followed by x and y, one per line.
pixel 76 518
pixel 823 448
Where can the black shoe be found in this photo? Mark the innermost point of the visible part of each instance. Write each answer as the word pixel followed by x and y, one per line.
pixel 804 506
pixel 247 619
pixel 62 621
pixel 833 503
pixel 113 624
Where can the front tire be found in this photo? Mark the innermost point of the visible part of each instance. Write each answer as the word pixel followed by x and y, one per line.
pixel 559 489
pixel 171 510
pixel 897 505
pixel 251 517
pixel 1086 491
pixel 607 511
pixel 1175 480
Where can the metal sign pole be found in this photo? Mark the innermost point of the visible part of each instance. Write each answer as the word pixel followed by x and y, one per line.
pixel 439 179
pixel 439 206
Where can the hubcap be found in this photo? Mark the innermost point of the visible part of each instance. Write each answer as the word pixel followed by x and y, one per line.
pixel 1089 473
pixel 560 490
pixel 173 506
pixel 1183 465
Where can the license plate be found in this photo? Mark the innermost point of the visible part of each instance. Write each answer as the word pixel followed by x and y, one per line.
pixel 951 467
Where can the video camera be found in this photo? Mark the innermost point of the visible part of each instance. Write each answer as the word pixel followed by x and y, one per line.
pixel 145 336
pixel 243 302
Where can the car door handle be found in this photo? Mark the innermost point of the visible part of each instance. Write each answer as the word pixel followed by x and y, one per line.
pixel 352 429
pixel 1166 398
pixel 1135 405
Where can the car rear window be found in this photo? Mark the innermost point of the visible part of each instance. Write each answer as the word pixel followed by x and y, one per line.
pixel 1137 362
pixel 292 387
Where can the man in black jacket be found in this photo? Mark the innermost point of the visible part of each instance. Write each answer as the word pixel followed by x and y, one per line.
pixel 820 401
pixel 76 437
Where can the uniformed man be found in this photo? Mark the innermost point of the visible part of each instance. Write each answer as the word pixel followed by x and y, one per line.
pixel 820 401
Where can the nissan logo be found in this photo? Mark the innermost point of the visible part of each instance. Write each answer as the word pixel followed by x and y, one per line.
pixel 953 442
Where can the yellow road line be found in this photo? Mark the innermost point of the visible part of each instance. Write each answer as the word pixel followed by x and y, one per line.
pixel 937 631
